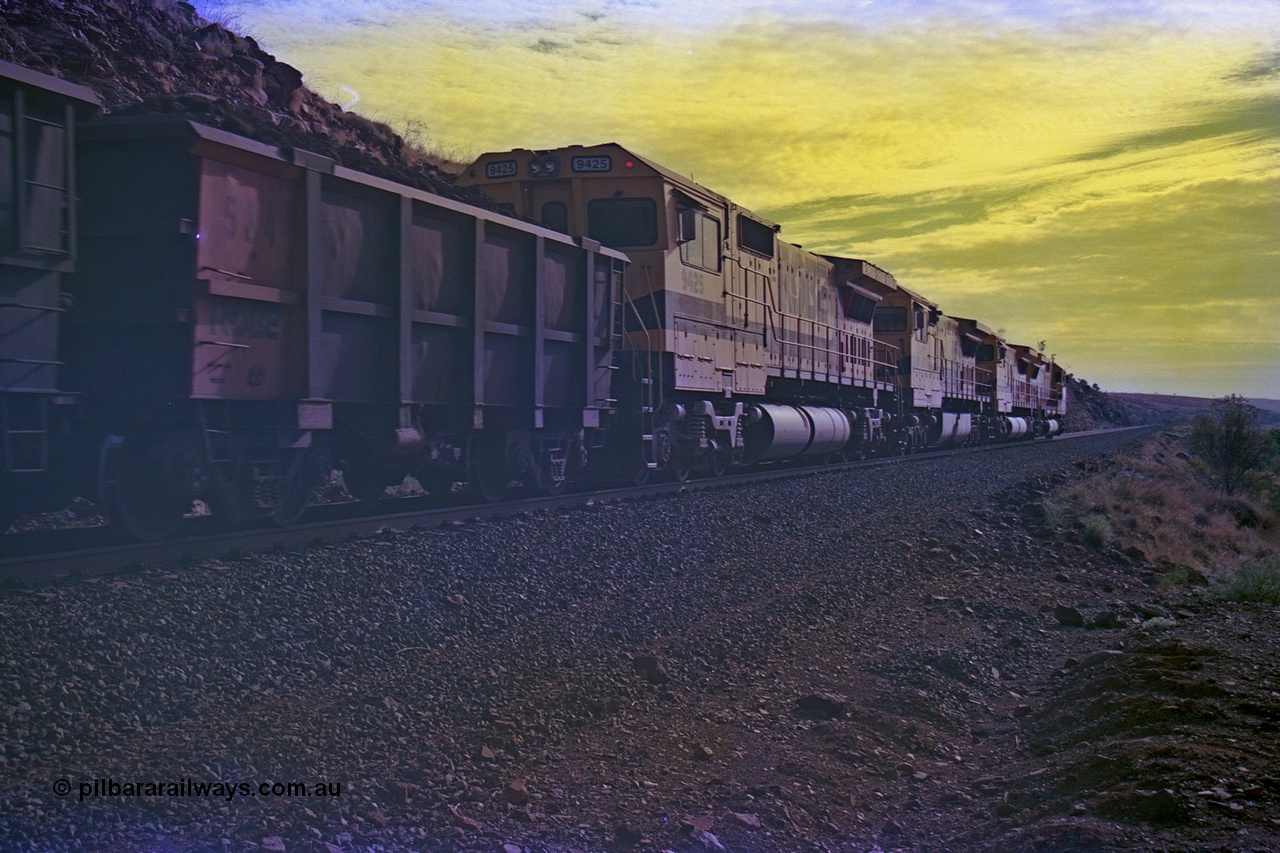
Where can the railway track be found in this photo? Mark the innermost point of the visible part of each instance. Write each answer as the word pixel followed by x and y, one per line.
pixel 49 555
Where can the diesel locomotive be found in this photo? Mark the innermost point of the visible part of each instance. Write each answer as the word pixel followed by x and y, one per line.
pixel 188 315
pixel 748 348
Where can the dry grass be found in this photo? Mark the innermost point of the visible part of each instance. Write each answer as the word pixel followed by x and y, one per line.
pixel 1156 501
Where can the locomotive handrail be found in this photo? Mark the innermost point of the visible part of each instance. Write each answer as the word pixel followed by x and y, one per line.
pixel 827 328
pixel 644 329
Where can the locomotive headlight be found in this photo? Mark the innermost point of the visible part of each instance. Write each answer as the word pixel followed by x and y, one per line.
pixel 546 166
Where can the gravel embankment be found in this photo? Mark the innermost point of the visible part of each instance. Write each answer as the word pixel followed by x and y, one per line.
pixel 491 683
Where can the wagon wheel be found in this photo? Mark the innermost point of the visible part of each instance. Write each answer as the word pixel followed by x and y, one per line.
pixel 490 475
pixel 137 474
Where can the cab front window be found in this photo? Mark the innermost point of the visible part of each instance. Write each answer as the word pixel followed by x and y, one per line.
pixel 623 222
pixel 890 319
pixel 555 214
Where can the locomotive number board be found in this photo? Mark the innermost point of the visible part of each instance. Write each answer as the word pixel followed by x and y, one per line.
pixel 591 164
pixel 501 169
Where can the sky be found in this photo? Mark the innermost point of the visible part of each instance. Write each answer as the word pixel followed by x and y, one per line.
pixel 1102 175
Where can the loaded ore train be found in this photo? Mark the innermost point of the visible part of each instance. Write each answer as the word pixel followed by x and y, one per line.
pixel 190 315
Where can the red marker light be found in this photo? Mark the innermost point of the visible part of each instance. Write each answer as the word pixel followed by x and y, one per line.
pixel 629 164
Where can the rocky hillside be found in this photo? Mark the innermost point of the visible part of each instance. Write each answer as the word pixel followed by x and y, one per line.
pixel 1089 407
pixel 161 56
pixel 1167 408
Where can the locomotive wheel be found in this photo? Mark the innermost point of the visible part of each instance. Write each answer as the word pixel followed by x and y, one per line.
pixel 489 471
pixel 719 464
pixel 10 507
pixel 638 468
pixel 717 461
pixel 680 467
pixel 136 475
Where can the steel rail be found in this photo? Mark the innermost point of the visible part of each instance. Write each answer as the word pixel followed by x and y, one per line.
pixel 100 560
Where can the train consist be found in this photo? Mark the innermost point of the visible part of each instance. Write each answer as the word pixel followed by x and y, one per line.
pixel 189 315
pixel 748 348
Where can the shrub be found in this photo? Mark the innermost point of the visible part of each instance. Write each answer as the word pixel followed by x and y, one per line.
pixel 1256 580
pixel 1097 530
pixel 1230 441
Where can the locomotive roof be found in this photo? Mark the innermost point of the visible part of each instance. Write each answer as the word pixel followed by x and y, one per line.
pixel 53 84
pixel 688 184
pixel 868 273
pixel 979 326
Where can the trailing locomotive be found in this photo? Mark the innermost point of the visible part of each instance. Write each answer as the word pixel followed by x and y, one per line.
pixel 748 348
pixel 191 315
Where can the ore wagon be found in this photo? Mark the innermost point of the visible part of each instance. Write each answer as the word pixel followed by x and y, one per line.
pixel 38 124
pixel 248 315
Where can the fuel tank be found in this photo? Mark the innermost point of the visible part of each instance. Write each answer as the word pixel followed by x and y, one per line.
pixel 787 432
pixel 955 428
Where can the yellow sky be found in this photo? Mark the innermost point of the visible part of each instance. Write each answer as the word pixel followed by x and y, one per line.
pixel 1107 182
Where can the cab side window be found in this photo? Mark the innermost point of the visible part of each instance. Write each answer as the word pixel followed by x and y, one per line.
pixel 700 240
pixel 755 236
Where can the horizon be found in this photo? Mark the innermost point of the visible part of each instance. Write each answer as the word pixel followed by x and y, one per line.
pixel 1105 179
